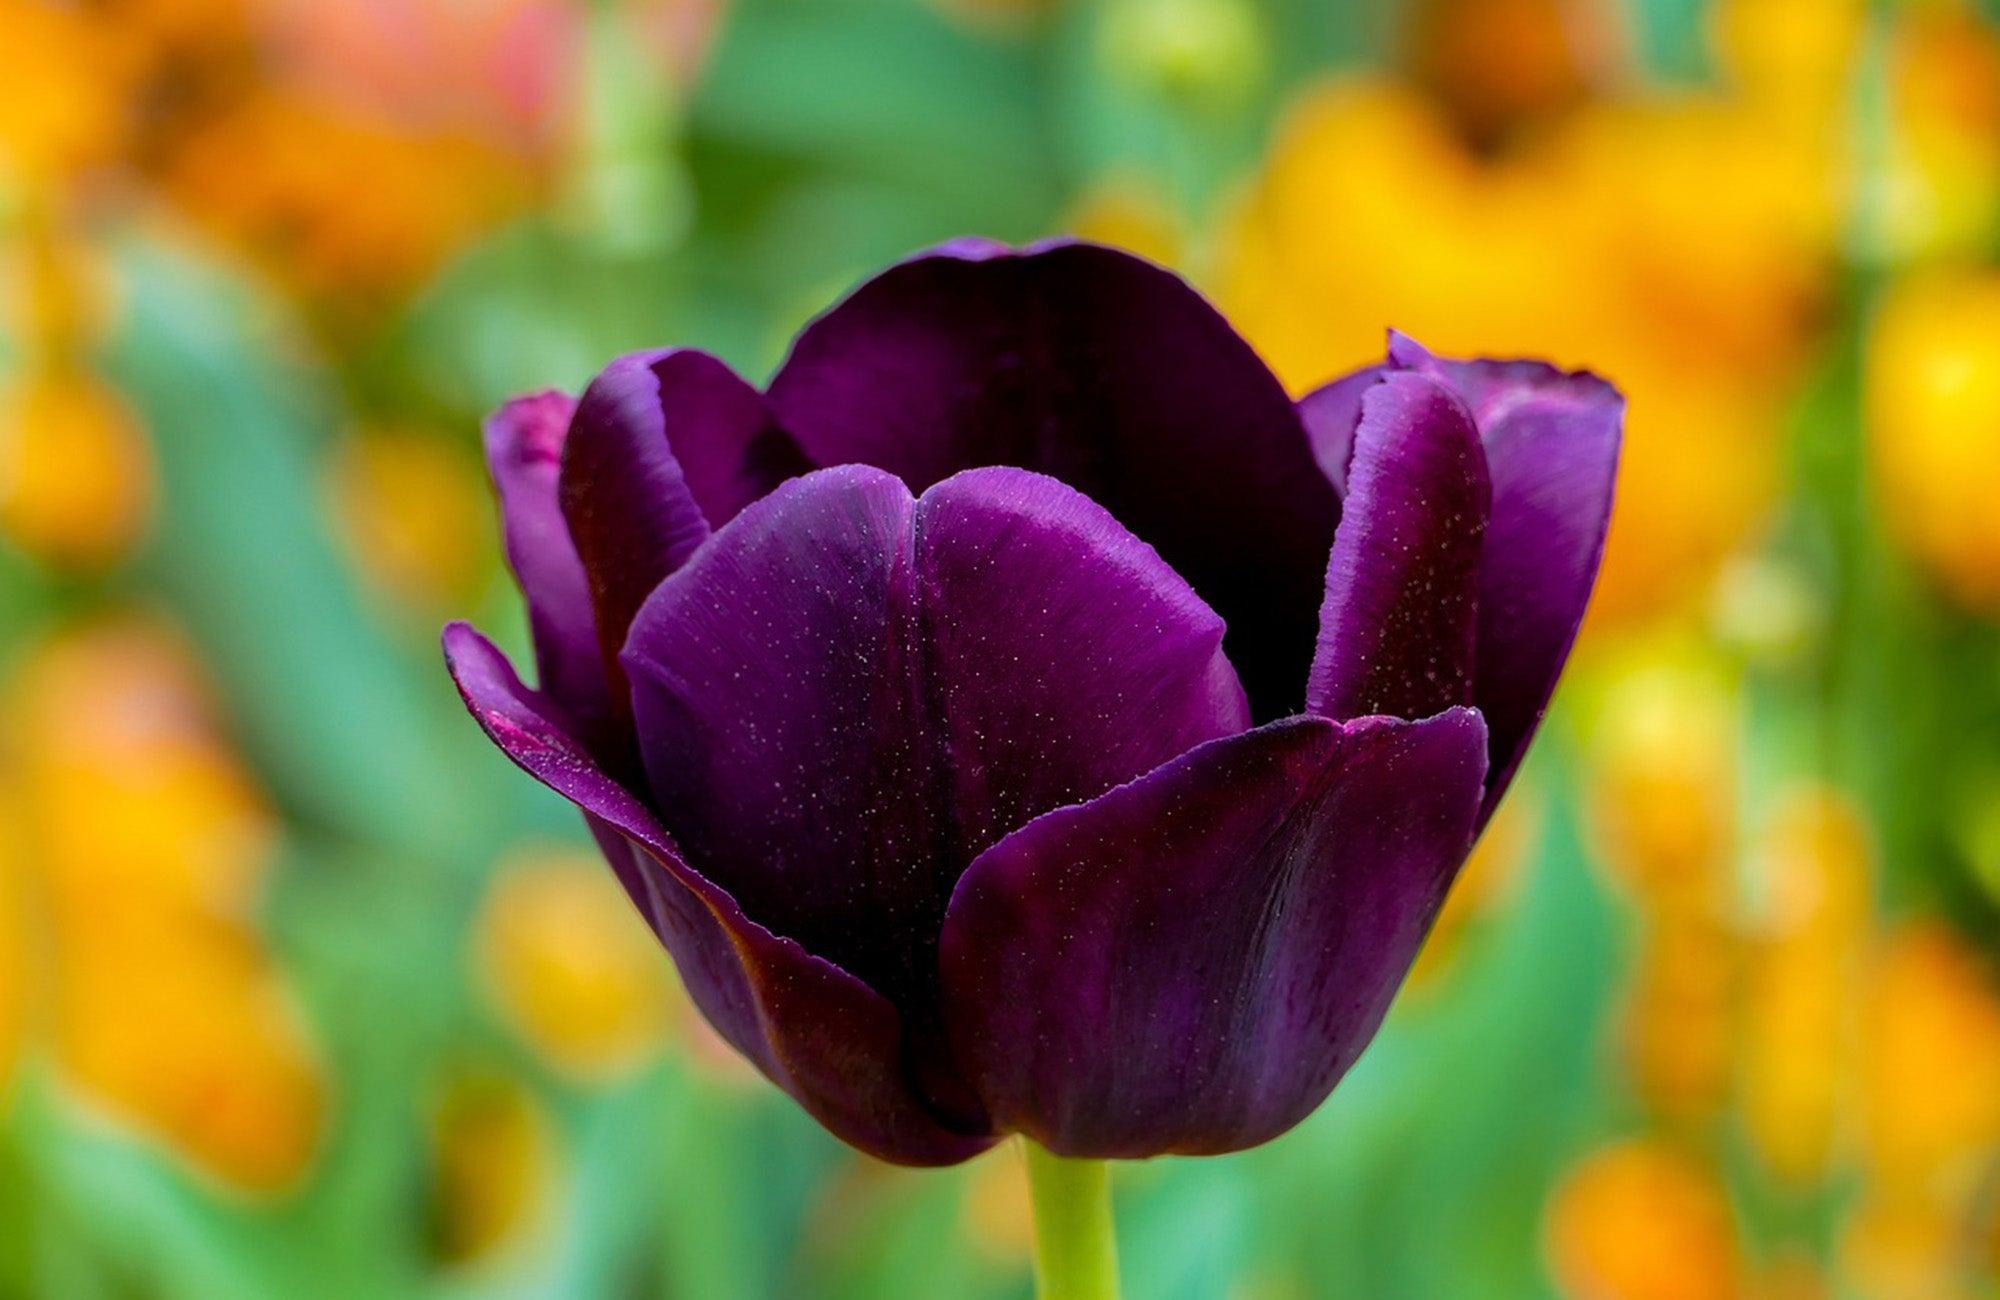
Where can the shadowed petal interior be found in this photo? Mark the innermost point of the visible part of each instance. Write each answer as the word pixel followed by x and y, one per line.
pixel 1108 373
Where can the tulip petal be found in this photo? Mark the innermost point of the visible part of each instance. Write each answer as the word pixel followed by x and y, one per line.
pixel 1108 373
pixel 1190 962
pixel 524 442
pixel 1552 441
pixel 1330 414
pixel 849 693
pixel 1402 586
pixel 819 1033
pixel 664 446
pixel 1069 657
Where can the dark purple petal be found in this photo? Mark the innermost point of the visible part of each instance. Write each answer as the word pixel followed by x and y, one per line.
pixel 1551 443
pixel 848 694
pixel 524 442
pixel 820 1034
pixel 1397 629
pixel 664 446
pixel 1330 414
pixel 1108 373
pixel 1067 656
pixel 1190 962
pixel 723 434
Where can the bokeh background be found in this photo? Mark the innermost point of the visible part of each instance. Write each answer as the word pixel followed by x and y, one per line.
pixel 304 992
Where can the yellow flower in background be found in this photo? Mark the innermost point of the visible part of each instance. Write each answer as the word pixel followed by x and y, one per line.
pixel 1681 245
pixel 1129 213
pixel 997 1212
pixel 76 471
pixel 1933 405
pixel 1640 1220
pixel 1813 920
pixel 1661 723
pixel 412 509
pixel 147 845
pixel 1793 62
pixel 493 1157
pixel 58 285
pixel 570 965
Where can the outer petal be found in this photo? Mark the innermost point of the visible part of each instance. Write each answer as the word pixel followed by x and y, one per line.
pixel 1106 372
pixel 1552 442
pixel 848 694
pixel 1190 962
pixel 816 1031
pixel 664 446
pixel 524 442
pixel 1397 629
pixel 1330 413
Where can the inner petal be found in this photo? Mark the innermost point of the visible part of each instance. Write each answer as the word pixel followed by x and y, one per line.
pixel 849 694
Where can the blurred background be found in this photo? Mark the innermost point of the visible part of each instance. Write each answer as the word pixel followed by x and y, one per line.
pixel 305 992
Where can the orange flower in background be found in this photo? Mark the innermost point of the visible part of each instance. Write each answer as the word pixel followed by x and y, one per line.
pixel 258 118
pixel 63 92
pixel 147 846
pixel 1941 192
pixel 1680 245
pixel 1641 1220
pixel 279 176
pixel 1931 1063
pixel 1933 404
pixel 1498 66
pixel 1813 877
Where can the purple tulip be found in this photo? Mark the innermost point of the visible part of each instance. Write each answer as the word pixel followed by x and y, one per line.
pixel 1024 717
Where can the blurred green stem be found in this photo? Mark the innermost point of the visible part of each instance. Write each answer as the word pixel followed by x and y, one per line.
pixel 1076 1252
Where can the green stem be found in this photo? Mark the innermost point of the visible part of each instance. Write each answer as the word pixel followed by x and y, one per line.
pixel 1076 1252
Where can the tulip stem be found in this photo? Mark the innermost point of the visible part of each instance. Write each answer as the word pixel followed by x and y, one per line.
pixel 1076 1251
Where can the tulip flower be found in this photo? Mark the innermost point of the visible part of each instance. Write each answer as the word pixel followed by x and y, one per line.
pixel 1021 717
